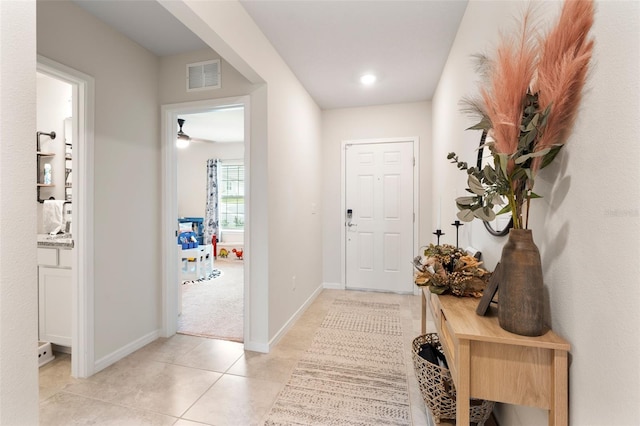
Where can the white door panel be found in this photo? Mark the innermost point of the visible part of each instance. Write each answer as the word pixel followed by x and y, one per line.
pixel 379 234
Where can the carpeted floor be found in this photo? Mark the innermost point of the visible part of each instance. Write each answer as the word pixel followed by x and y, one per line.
pixel 214 307
pixel 354 373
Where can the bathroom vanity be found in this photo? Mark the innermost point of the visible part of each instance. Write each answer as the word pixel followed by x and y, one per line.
pixel 55 289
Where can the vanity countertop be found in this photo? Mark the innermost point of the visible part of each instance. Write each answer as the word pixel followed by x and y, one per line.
pixel 55 241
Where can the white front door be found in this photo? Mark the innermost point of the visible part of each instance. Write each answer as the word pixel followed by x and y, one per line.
pixel 379 216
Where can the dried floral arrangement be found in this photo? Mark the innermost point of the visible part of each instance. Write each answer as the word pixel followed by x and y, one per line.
pixel 445 268
pixel 528 104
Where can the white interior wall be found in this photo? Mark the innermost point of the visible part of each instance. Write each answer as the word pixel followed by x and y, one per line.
pixel 192 173
pixel 18 306
pixel 285 170
pixel 53 106
pixel 587 226
pixel 126 168
pixel 386 121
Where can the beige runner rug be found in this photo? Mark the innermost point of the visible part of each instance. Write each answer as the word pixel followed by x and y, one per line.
pixel 354 373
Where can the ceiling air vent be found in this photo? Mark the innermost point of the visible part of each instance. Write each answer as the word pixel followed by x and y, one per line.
pixel 203 75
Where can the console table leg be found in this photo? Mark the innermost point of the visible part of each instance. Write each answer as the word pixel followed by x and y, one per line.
pixel 559 412
pixel 463 387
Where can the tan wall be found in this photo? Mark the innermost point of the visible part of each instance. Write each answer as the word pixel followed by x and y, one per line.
pixel 126 168
pixel 172 86
pixel 386 121
pixel 192 173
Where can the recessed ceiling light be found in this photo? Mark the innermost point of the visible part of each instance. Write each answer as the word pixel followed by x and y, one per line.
pixel 368 79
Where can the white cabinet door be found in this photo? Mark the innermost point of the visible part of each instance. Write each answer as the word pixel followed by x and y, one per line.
pixel 55 305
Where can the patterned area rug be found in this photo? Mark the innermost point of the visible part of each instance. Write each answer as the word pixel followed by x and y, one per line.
pixel 354 373
pixel 214 274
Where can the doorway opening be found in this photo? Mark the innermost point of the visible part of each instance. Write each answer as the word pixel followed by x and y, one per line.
pixel 205 293
pixel 74 178
pixel 211 212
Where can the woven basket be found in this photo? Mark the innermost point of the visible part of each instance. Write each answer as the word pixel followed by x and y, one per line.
pixel 437 387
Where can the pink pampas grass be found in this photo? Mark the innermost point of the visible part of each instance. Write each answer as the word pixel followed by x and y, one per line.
pixel 562 71
pixel 511 75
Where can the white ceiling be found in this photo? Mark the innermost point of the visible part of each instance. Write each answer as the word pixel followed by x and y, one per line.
pixel 328 44
pixel 147 23
pixel 218 125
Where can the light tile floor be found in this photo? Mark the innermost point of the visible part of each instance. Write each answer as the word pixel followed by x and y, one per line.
pixel 187 380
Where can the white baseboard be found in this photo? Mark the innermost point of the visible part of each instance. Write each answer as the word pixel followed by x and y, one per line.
pixel 63 349
pixel 333 286
pixel 274 341
pixel 128 349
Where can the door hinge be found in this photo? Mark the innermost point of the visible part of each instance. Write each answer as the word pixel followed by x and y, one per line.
pixel 414 218
pixel 414 161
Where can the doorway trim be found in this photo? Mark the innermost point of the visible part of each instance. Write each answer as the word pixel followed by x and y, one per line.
pixel 170 288
pixel 415 141
pixel 82 337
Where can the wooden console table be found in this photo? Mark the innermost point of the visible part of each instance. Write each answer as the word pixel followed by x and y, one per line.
pixel 487 362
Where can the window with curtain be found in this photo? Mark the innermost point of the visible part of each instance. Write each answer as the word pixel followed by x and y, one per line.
pixel 231 190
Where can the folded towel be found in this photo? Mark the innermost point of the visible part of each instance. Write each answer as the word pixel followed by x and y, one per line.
pixel 52 216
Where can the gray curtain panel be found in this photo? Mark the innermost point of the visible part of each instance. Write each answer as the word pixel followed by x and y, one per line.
pixel 211 213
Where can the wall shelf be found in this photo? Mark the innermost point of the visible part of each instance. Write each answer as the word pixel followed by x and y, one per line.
pixel 39 155
pixel 68 159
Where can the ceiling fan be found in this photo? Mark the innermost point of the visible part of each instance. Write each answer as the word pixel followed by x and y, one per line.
pixel 183 140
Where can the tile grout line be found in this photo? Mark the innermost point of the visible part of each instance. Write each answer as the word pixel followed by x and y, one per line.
pixel 115 404
pixel 199 398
